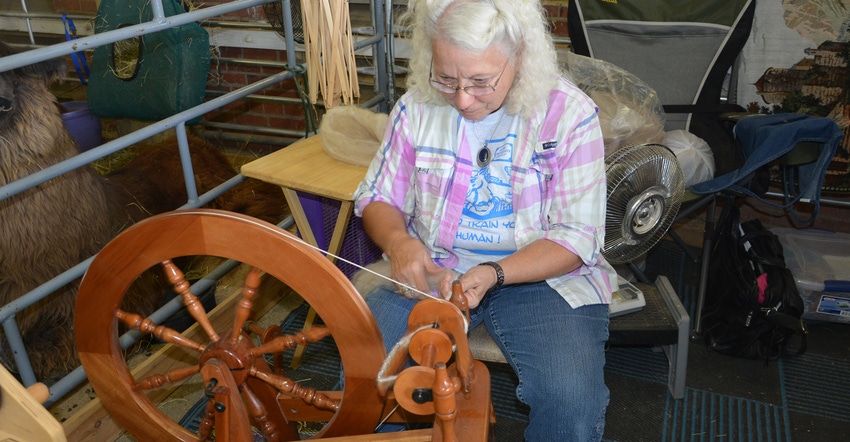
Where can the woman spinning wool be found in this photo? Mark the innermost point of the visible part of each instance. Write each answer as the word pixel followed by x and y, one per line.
pixel 493 167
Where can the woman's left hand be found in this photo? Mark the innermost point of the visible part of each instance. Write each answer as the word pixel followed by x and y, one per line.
pixel 475 283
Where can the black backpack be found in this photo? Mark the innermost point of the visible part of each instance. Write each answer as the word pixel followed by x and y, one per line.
pixel 752 307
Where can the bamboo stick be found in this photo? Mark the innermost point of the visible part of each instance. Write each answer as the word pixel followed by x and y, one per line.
pixel 331 65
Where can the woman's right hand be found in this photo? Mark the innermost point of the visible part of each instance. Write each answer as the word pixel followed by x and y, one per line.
pixel 412 266
pixel 411 262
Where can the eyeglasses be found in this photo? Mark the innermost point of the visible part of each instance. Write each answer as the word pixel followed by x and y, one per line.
pixel 475 90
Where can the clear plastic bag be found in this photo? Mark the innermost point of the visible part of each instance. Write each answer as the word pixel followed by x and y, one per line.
pixel 693 154
pixel 629 110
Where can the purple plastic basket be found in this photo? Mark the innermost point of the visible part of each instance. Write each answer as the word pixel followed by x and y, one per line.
pixel 356 246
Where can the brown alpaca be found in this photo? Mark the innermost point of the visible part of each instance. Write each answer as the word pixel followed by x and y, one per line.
pixel 153 182
pixel 54 226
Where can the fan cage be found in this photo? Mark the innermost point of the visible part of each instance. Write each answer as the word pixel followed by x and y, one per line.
pixel 645 189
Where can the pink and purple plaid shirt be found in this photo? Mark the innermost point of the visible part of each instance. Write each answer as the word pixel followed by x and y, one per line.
pixel 423 168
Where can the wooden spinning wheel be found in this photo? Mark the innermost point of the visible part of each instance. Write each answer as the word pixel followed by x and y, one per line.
pixel 234 371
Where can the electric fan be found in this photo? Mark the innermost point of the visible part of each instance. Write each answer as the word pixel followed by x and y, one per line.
pixel 645 188
pixel 274 14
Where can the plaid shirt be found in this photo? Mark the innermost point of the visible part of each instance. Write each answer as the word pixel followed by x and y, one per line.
pixel 423 168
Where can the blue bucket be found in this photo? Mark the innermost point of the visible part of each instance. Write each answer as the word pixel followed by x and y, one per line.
pixel 81 124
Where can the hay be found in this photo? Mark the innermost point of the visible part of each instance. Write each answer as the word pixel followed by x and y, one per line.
pixel 126 56
pixel 115 161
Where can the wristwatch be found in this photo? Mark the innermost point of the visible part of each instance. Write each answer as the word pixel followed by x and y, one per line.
pixel 500 274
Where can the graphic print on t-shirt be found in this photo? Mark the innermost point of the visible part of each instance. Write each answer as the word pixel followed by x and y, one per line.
pixel 487 221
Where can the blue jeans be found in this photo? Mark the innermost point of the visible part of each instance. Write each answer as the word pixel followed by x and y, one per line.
pixel 557 352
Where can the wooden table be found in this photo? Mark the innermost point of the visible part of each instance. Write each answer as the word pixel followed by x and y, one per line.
pixel 305 167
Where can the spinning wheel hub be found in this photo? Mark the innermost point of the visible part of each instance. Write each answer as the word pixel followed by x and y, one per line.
pixel 234 353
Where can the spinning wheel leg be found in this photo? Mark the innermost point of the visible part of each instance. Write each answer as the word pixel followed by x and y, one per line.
pixel 229 358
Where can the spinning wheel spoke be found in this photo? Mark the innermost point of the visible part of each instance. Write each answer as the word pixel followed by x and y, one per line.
pixel 268 334
pixel 246 304
pixel 162 332
pixel 207 422
pixel 286 342
pixel 192 303
pixel 158 380
pixel 285 385
pixel 258 413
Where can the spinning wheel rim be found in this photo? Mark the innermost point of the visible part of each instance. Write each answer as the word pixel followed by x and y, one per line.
pixel 223 234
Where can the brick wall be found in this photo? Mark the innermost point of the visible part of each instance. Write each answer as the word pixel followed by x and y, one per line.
pixel 557 13
pixel 228 76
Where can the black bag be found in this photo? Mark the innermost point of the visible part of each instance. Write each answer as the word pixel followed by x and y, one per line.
pixel 752 307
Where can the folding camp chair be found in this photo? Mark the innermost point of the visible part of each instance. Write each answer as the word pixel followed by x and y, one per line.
pixel 685 50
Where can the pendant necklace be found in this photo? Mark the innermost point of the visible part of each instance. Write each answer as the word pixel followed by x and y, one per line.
pixel 485 155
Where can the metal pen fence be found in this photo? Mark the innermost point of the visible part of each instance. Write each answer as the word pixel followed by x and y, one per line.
pixel 383 97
